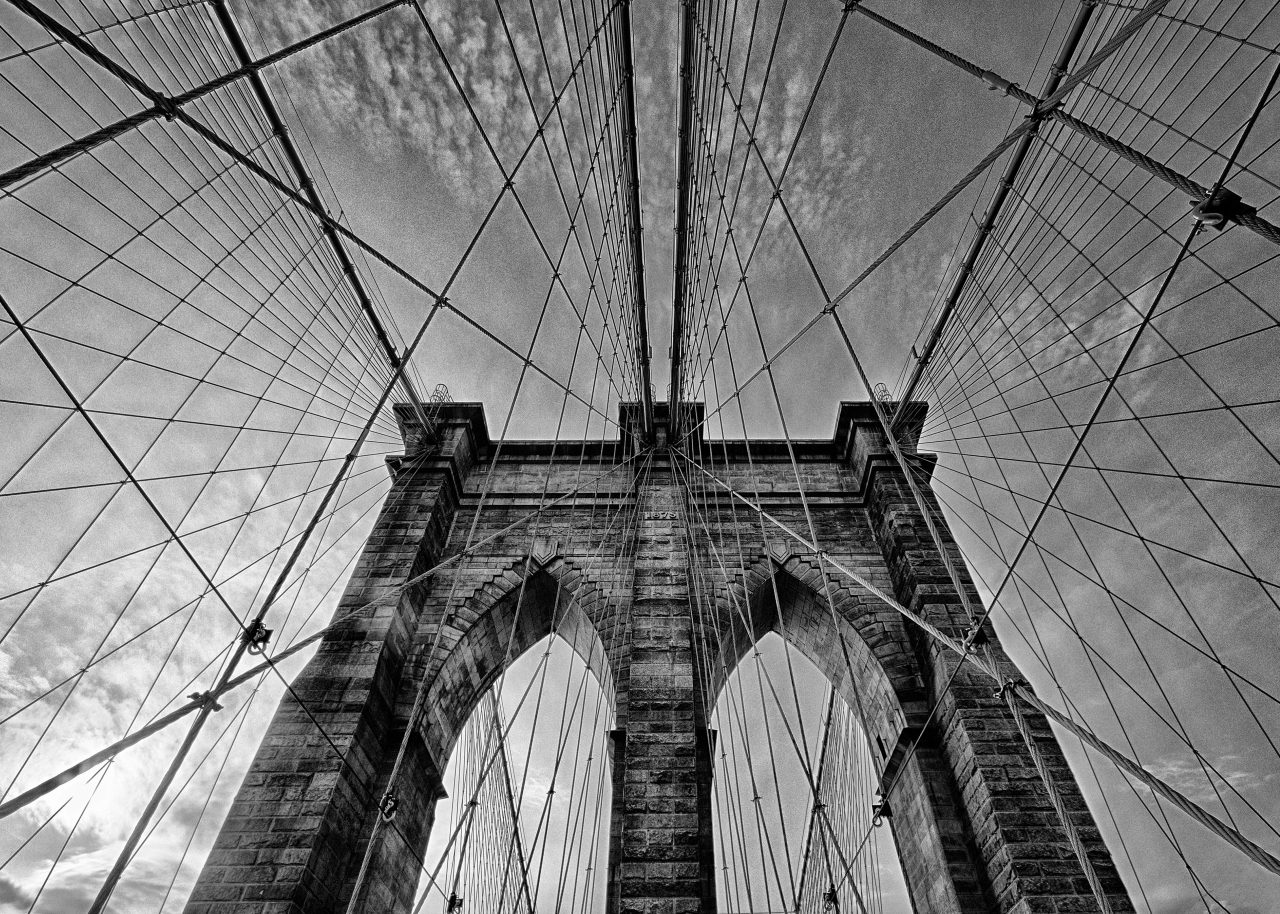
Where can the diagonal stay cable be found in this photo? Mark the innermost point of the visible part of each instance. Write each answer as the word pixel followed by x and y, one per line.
pixel 211 136
pixel 1116 42
pixel 389 594
pixel 508 175
pixel 1232 836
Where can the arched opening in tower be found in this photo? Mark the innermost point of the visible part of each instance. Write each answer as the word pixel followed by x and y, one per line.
pixel 525 823
pixel 794 794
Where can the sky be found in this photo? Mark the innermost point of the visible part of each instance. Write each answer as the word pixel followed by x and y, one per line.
pixel 138 266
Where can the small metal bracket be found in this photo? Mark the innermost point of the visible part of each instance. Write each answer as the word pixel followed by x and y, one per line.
pixel 167 107
pixel 880 811
pixel 976 636
pixel 207 700
pixel 1005 689
pixel 388 805
pixel 1219 208
pixel 997 83
pixel 830 900
pixel 256 637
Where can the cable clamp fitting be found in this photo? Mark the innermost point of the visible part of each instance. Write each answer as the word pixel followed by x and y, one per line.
pixel 879 812
pixel 167 107
pixel 997 83
pixel 388 805
pixel 975 637
pixel 1006 689
pixel 207 700
pixel 1220 207
pixel 256 636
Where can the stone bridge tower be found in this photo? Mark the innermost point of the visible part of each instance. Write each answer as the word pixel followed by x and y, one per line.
pixel 973 823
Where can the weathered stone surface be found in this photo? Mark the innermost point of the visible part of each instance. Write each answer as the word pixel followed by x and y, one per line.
pixel 609 570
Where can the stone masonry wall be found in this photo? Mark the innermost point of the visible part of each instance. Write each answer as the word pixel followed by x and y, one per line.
pixel 606 562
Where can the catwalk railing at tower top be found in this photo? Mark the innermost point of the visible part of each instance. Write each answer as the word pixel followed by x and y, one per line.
pixel 218 215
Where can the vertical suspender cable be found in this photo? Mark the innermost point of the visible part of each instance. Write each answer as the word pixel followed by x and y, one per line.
pixel 1078 25
pixel 308 188
pixel 634 227
pixel 684 193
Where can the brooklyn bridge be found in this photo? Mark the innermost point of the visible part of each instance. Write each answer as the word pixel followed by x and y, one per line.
pixel 742 456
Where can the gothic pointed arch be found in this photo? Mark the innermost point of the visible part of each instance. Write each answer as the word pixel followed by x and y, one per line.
pixel 461 648
pixel 464 645
pixel 854 639
pixel 861 647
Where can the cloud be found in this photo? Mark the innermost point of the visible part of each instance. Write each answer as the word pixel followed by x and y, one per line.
pixel 12 897
pixel 386 85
